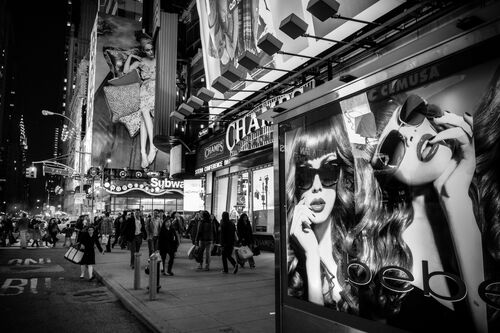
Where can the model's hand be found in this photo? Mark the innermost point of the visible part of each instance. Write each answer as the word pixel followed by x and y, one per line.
pixel 301 229
pixel 457 177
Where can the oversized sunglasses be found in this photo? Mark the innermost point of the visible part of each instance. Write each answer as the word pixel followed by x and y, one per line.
pixel 392 148
pixel 328 174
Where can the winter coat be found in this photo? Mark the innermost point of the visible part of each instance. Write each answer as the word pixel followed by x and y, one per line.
pixel 168 240
pixel 207 231
pixel 88 253
pixel 227 233
pixel 128 230
pixel 245 233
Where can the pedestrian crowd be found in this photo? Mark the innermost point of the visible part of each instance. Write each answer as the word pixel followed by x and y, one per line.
pixel 161 231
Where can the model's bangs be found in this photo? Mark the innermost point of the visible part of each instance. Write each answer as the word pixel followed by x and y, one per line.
pixel 315 145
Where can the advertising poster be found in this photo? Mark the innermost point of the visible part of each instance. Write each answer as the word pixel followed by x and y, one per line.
pixel 228 28
pixel 194 195
pixel 392 200
pixel 123 105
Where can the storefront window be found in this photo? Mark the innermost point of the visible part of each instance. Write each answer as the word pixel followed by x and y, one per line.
pixel 239 190
pixel 221 196
pixel 263 198
pixel 158 203
pixel 171 205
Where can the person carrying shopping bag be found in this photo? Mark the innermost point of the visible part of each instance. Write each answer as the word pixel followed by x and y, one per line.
pixel 245 235
pixel 87 238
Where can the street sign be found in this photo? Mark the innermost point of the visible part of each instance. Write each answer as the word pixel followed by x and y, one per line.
pixel 57 171
pixel 79 197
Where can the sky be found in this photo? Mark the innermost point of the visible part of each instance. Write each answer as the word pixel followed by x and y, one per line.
pixel 39 34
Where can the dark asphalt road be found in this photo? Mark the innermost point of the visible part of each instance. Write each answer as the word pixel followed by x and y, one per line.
pixel 40 291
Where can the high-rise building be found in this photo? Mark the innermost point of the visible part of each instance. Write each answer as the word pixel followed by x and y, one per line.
pixel 13 140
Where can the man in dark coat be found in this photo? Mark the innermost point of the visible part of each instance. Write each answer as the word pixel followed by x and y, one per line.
pixel 134 232
pixel 117 227
pixel 227 239
pixel 168 242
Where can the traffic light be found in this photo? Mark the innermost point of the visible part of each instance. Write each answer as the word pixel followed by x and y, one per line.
pixel 31 172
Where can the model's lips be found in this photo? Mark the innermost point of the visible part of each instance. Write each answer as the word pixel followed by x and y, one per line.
pixel 426 150
pixel 317 205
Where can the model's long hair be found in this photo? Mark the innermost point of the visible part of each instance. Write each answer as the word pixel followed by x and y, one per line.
pixel 487 144
pixel 323 137
pixel 383 212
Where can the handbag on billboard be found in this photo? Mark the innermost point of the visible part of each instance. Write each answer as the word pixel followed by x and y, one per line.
pixel 244 252
pixel 74 254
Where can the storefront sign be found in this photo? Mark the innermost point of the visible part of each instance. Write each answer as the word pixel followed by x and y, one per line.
pixel 243 127
pixel 213 150
pixel 212 156
pixel 212 167
pixel 255 140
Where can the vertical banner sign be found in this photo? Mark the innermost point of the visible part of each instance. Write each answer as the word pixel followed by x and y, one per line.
pixel 194 195
pixel 393 201
pixel 228 28
pixel 122 87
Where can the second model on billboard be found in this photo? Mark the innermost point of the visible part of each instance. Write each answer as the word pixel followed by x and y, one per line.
pixel 393 202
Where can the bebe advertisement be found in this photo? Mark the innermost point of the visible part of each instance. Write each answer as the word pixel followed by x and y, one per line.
pixel 124 99
pixel 229 28
pixel 393 202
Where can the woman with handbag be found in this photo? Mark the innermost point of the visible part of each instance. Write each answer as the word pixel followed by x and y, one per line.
pixel 227 239
pixel 168 242
pixel 86 241
pixel 245 235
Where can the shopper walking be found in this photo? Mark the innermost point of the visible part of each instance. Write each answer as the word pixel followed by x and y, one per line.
pixel 245 235
pixel 169 241
pixel 152 229
pixel 227 240
pixel 22 226
pixel 192 229
pixel 87 239
pixel 53 230
pixel 117 228
pixel 134 232
pixel 106 230
pixel 205 236
pixel 68 232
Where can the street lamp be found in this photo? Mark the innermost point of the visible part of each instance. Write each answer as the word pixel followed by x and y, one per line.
pixel 80 166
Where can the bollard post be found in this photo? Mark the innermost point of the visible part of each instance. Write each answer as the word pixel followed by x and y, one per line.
pixel 153 271
pixel 137 271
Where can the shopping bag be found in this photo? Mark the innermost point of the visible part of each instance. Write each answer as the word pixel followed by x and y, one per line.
pixel 104 239
pixel 191 251
pixel 216 250
pixel 244 252
pixel 74 254
pixel 198 254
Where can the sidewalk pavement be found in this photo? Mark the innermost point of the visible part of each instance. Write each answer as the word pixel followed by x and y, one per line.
pixel 192 300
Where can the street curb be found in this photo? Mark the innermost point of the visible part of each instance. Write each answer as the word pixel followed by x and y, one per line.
pixel 135 306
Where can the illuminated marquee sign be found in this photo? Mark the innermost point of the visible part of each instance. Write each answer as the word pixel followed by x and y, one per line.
pixel 167 184
pixel 156 187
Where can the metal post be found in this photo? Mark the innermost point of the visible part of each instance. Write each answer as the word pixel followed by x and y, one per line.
pixel 137 271
pixel 153 276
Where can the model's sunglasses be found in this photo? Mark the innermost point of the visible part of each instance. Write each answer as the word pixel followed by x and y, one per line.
pixel 328 174
pixel 392 148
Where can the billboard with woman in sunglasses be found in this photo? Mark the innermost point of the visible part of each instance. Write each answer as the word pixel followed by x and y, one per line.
pixel 320 208
pixel 422 157
pixel 406 191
